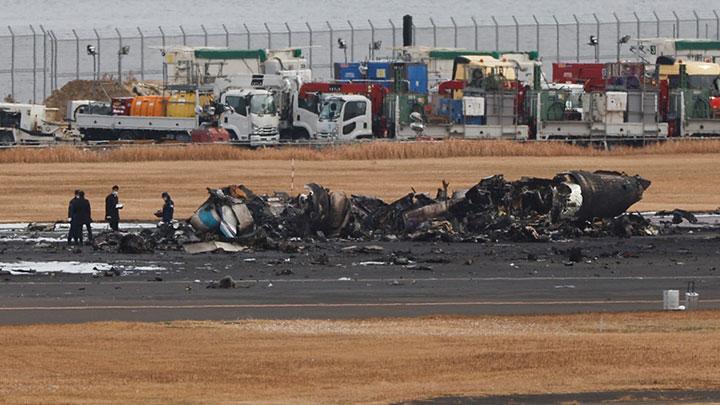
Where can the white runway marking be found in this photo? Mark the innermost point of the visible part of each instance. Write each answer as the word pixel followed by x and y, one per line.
pixel 340 305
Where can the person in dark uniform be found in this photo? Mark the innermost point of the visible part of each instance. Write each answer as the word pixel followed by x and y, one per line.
pixel 112 209
pixel 72 234
pixel 168 209
pixel 84 214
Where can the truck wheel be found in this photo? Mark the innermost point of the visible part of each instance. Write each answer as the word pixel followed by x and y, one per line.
pixel 302 134
pixel 6 138
pixel 183 137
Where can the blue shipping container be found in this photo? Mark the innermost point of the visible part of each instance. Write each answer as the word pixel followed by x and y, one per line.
pixel 347 71
pixel 453 109
pixel 379 70
pixel 417 76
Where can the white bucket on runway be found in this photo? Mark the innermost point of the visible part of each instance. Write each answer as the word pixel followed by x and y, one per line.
pixel 671 300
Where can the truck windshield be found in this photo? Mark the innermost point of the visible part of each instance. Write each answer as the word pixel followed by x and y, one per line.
pixel 331 109
pixel 263 104
pixel 238 103
pixel 697 82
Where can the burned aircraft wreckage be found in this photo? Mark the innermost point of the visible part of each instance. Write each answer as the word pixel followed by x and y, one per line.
pixel 572 204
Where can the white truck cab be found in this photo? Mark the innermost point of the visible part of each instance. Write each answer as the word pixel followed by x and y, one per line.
pixel 25 124
pixel 253 116
pixel 345 117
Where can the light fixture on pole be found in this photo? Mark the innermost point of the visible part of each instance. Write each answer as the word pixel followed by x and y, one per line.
pixel 594 43
pixel 124 50
pixel 624 40
pixel 343 45
pixel 92 51
pixel 372 47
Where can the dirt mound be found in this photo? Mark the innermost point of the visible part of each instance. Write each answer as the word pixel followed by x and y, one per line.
pixel 101 90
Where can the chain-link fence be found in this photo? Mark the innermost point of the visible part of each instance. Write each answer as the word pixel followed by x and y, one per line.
pixel 39 60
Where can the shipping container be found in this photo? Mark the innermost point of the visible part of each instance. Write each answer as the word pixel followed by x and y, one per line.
pixel 591 75
pixel 122 105
pixel 348 71
pixel 182 104
pixel 149 106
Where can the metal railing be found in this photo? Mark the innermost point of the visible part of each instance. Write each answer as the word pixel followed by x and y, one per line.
pixel 40 60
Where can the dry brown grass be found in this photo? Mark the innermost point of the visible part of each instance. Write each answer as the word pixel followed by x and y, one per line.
pixel 365 151
pixel 365 361
pixel 40 192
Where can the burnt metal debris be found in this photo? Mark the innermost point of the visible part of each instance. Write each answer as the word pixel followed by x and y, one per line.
pixel 572 204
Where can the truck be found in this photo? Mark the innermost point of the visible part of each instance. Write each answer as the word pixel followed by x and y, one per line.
pixel 345 117
pixel 482 100
pixel 309 101
pixel 248 109
pixel 184 65
pixel 621 103
pixel 690 94
pixel 95 122
pixel 26 124
pixel 440 61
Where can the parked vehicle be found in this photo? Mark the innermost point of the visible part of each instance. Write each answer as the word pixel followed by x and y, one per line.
pixel 25 124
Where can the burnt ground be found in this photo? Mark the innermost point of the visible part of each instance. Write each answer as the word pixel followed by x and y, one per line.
pixel 332 279
pixel 614 397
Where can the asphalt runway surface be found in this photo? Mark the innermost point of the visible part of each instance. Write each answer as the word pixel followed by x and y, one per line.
pixel 333 279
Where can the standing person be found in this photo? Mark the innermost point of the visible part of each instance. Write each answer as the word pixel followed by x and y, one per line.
pixel 85 214
pixel 112 208
pixel 72 233
pixel 168 208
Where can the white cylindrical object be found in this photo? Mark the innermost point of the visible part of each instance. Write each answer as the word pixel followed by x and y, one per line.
pixel 691 300
pixel 671 300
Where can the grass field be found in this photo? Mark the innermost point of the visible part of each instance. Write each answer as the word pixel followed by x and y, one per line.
pixel 41 191
pixel 362 151
pixel 365 361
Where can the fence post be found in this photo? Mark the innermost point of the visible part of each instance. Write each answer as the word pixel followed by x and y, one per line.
pixel 184 36
pixel 55 59
pixel 434 28
pixel 119 55
pixel 247 30
pixel 142 54
pixel 657 22
pixel 517 34
pixel 52 58
pixel 497 34
pixel 455 28
pixel 99 54
pixel 32 29
pixel 577 38
pixel 12 62
pixel 697 24
pixel 597 36
pixel 287 26
pixel 475 25
pixel 310 35
pixel 227 36
pixel 205 34
pixel 717 25
pixel 537 33
pixel 269 34
pixel 617 32
pixel 77 55
pixel 637 21
pixel 162 36
pixel 557 39
pixel 392 26
pixel 352 41
pixel 332 45
pixel 677 25
pixel 372 38
pixel 44 61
